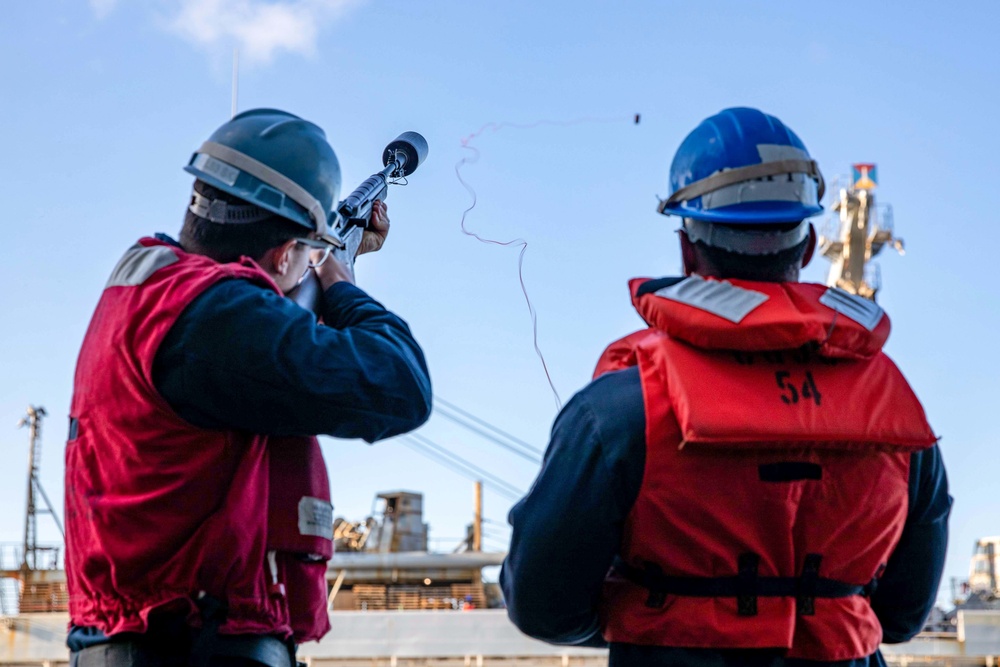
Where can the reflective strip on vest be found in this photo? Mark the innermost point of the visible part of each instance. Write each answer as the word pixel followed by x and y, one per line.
pixel 315 517
pixel 719 298
pixel 861 310
pixel 138 263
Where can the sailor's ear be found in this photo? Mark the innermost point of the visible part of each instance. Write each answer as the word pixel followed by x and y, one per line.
pixel 810 247
pixel 278 260
pixel 688 254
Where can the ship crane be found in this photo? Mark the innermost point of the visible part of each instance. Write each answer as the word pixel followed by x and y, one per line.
pixel 32 550
pixel 863 230
pixel 41 583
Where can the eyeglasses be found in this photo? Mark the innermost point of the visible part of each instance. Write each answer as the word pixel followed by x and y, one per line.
pixel 320 251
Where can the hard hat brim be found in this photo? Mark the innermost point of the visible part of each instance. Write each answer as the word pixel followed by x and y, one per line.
pixel 748 213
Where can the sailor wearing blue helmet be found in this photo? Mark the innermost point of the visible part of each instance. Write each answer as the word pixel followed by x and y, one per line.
pixel 728 490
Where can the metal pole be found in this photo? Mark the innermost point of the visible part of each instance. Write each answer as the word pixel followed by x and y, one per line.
pixel 336 589
pixel 236 80
pixel 991 554
pixel 29 515
pixel 33 422
pixel 477 524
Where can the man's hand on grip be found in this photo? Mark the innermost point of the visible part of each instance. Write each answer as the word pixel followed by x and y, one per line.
pixel 334 271
pixel 377 230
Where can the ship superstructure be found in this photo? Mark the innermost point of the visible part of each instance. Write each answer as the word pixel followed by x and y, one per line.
pixel 382 563
pixel 859 233
pixel 984 569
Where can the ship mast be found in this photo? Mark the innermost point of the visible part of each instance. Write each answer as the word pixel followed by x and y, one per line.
pixel 864 229
pixel 31 550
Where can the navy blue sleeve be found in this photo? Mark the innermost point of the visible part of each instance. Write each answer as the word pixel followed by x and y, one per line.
pixel 241 357
pixel 567 530
pixel 908 587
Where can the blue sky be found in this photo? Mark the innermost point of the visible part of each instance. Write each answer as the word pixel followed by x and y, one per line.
pixel 102 103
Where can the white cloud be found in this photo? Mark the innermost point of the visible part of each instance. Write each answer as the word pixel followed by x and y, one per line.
pixel 259 28
pixel 103 7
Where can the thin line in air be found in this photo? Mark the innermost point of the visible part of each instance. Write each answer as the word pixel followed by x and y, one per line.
pixel 472 158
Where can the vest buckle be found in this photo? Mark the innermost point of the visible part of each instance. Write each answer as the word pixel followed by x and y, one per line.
pixel 869 589
pixel 652 577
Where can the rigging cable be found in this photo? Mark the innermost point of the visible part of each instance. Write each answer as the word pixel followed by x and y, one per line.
pixel 498 545
pixel 533 458
pixel 440 460
pixel 482 422
pixel 498 523
pixel 444 451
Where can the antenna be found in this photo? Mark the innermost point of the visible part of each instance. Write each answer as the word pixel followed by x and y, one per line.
pixel 236 80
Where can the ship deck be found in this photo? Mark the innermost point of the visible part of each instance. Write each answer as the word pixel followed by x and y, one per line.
pixel 480 638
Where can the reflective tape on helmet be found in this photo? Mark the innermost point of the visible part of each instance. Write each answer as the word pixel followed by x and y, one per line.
pixel 222 171
pixel 784 187
pixel 742 175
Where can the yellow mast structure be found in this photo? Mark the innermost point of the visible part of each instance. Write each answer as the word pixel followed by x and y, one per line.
pixel 863 230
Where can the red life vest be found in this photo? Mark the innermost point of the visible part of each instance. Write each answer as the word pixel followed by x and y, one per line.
pixel 159 512
pixel 300 530
pixel 778 441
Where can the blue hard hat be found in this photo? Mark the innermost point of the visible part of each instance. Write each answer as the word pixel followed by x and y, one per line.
pixel 275 160
pixel 743 166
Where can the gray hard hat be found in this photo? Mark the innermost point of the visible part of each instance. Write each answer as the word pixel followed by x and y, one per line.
pixel 274 160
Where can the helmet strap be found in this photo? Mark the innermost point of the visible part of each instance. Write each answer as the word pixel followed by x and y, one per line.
pixel 223 212
pixel 281 183
pixel 721 179
pixel 745 242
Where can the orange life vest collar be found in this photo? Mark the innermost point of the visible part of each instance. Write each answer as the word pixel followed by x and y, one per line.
pixel 753 316
pixel 719 334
